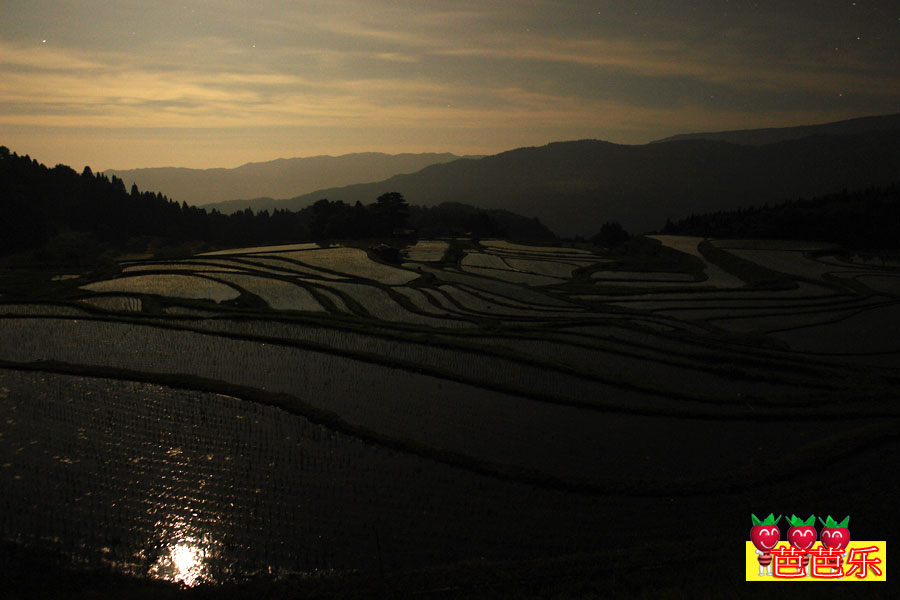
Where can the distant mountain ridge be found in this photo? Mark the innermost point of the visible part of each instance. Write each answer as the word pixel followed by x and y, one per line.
pixel 280 178
pixel 773 135
pixel 59 217
pixel 574 187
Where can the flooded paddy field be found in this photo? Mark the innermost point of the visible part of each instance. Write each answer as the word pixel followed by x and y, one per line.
pixel 293 410
pixel 195 487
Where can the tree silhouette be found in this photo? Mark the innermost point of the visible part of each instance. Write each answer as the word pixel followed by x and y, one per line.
pixel 77 217
pixel 611 234
pixel 390 213
pixel 862 219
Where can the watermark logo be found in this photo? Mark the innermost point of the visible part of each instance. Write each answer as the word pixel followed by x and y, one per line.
pixel 769 558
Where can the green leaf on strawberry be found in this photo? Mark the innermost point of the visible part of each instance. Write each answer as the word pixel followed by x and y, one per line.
pixel 832 524
pixel 770 520
pixel 798 522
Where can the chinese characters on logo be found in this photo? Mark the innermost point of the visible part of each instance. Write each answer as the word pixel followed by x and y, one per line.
pixel 798 559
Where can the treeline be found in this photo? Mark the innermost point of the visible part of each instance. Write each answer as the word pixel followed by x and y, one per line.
pixel 43 208
pixel 39 205
pixel 390 215
pixel 453 218
pixel 867 219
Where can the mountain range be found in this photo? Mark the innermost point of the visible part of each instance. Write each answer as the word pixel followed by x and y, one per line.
pixel 575 187
pixel 281 178
pixel 772 135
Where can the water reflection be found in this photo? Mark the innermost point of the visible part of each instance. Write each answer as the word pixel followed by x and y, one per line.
pixel 184 555
pixel 184 562
pixel 169 484
pixel 187 561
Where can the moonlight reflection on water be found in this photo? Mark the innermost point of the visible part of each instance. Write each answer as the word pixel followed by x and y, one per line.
pixel 184 554
pixel 185 564
pixel 197 488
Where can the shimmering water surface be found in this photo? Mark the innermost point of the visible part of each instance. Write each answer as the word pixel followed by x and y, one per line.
pixel 196 487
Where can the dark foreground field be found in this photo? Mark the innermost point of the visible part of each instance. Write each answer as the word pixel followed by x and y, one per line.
pixel 478 420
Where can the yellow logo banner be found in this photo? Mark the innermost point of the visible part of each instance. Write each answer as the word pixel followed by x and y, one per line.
pixel 860 561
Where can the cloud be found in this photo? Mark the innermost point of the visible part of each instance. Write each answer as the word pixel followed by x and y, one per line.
pixel 459 72
pixel 60 88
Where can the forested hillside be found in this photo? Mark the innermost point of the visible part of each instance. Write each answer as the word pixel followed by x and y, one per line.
pixel 863 219
pixel 64 216
pixel 575 187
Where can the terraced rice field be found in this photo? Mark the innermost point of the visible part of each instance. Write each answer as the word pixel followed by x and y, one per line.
pixel 352 262
pixel 175 285
pixel 427 250
pixel 295 409
pixel 262 249
pixel 278 294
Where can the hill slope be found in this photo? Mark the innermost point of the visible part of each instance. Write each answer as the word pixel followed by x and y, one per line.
pixel 56 216
pixel 772 135
pixel 279 178
pixel 574 187
pixel 867 219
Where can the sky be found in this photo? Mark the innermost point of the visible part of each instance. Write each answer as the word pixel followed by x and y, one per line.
pixel 136 83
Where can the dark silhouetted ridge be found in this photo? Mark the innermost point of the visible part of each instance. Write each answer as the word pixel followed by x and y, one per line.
pixel 575 187
pixel 772 135
pixel 63 217
pixel 278 178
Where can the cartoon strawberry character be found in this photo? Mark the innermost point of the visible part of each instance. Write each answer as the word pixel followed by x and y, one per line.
pixel 764 535
pixel 802 535
pixel 835 535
